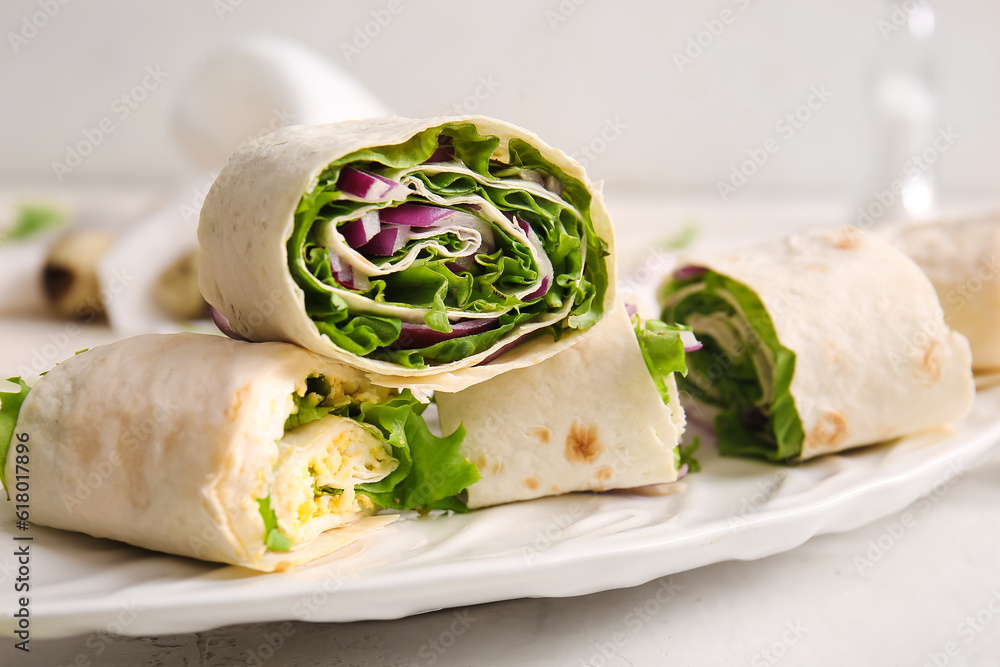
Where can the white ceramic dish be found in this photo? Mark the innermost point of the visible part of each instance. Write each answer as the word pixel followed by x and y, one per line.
pixel 554 547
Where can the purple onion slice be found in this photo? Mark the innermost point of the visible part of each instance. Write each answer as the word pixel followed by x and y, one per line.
pixel 365 185
pixel 387 242
pixel 361 231
pixel 414 215
pixel 689 271
pixel 415 336
pixel 223 324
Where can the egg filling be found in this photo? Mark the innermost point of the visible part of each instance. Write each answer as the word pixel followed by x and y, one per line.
pixel 320 464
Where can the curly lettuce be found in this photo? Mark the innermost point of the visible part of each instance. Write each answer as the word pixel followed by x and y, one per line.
pixel 431 471
pixel 436 283
pixel 742 368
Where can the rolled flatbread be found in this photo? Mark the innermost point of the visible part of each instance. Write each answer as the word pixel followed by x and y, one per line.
pixel 961 259
pixel 260 455
pixel 817 343
pixel 431 254
pixel 595 417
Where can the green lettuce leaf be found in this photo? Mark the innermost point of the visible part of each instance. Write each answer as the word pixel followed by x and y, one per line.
pixel 34 220
pixel 663 352
pixel 744 426
pixel 566 233
pixel 432 471
pixel 273 537
pixel 10 408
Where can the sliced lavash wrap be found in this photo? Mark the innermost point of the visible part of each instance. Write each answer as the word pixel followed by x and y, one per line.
pixel 604 414
pixel 431 254
pixel 962 259
pixel 260 455
pixel 816 343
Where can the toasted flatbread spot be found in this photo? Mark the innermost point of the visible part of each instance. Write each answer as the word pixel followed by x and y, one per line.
pixel 605 473
pixel 496 467
pixel 848 239
pixel 541 433
pixel 929 366
pixel 531 483
pixel 830 430
pixel 582 445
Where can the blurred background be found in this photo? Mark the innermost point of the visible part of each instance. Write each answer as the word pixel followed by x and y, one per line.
pixel 688 91
pixel 731 118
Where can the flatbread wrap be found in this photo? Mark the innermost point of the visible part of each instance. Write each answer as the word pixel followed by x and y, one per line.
pixel 431 254
pixel 962 259
pixel 260 455
pixel 816 343
pixel 604 414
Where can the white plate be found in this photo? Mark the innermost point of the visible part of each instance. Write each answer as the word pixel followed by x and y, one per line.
pixel 554 547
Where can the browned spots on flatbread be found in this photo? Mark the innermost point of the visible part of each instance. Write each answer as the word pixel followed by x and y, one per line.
pixel 929 366
pixel 531 483
pixel 818 268
pixel 848 239
pixel 830 430
pixel 496 467
pixel 582 445
pixel 554 489
pixel 541 433
pixel 605 473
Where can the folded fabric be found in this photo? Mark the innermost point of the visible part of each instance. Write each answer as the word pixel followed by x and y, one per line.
pixel 816 343
pixel 262 455
pixel 601 415
pixel 431 254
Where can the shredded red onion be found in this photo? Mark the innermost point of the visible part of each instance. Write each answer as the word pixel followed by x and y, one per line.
pixel 361 231
pixel 682 472
pixel 414 336
pixel 541 291
pixel 364 184
pixel 691 344
pixel 499 353
pixel 414 215
pixel 387 242
pixel 223 324
pixel 631 308
pixel 689 271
